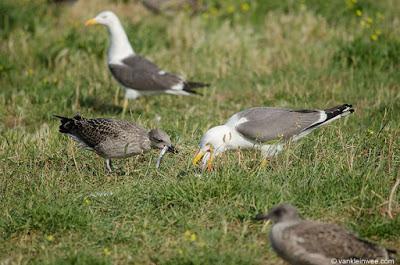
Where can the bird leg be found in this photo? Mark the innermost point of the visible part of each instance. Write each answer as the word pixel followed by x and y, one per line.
pixel 268 151
pixel 109 165
pixel 124 106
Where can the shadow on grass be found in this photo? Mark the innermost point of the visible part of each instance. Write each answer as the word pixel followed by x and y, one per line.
pixel 99 105
pixel 104 106
pixel 82 258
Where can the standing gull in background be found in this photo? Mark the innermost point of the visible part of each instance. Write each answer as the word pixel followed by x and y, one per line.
pixel 263 128
pixel 303 242
pixel 115 138
pixel 137 75
pixel 171 7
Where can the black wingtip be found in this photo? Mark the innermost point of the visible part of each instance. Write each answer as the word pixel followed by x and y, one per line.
pixel 66 123
pixel 77 116
pixel 194 85
pixel 193 92
pixel 59 117
pixel 191 87
pixel 349 107
pixel 338 110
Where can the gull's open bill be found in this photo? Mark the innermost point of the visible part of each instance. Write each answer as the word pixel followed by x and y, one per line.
pixel 162 153
pixel 204 161
pixel 206 158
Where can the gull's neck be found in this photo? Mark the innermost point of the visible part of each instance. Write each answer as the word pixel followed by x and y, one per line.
pixel 236 140
pixel 120 47
pixel 229 139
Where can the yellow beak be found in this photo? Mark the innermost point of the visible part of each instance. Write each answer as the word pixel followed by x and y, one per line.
pixel 198 157
pixel 90 22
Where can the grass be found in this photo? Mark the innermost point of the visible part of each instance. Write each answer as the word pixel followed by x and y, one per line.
pixel 289 55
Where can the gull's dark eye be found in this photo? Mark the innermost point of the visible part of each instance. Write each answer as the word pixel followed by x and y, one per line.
pixel 279 212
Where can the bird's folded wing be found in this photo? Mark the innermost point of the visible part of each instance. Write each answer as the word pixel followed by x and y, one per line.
pixel 95 131
pixel 140 74
pixel 332 241
pixel 268 124
pixel 137 62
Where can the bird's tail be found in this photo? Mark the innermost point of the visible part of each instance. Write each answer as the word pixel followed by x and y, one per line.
pixel 191 87
pixel 391 253
pixel 67 124
pixel 333 114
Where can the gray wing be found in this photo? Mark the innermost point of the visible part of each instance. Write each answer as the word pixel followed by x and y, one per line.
pixel 266 124
pixel 333 241
pixel 140 74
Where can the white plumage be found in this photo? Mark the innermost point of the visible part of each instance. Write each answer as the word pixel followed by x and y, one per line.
pixel 137 75
pixel 265 129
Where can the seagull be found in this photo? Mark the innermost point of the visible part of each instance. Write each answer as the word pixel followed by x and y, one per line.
pixel 137 75
pixel 169 6
pixel 111 138
pixel 264 128
pixel 303 242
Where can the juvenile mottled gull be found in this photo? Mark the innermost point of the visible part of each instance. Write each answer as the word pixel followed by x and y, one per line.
pixel 303 242
pixel 137 75
pixel 111 138
pixel 264 128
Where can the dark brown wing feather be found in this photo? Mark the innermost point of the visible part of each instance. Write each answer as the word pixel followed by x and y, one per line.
pixel 94 131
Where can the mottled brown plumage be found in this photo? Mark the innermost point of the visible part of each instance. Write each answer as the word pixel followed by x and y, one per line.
pixel 304 242
pixel 111 138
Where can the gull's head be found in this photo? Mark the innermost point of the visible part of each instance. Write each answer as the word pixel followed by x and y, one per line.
pixel 106 18
pixel 160 140
pixel 281 213
pixel 214 142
